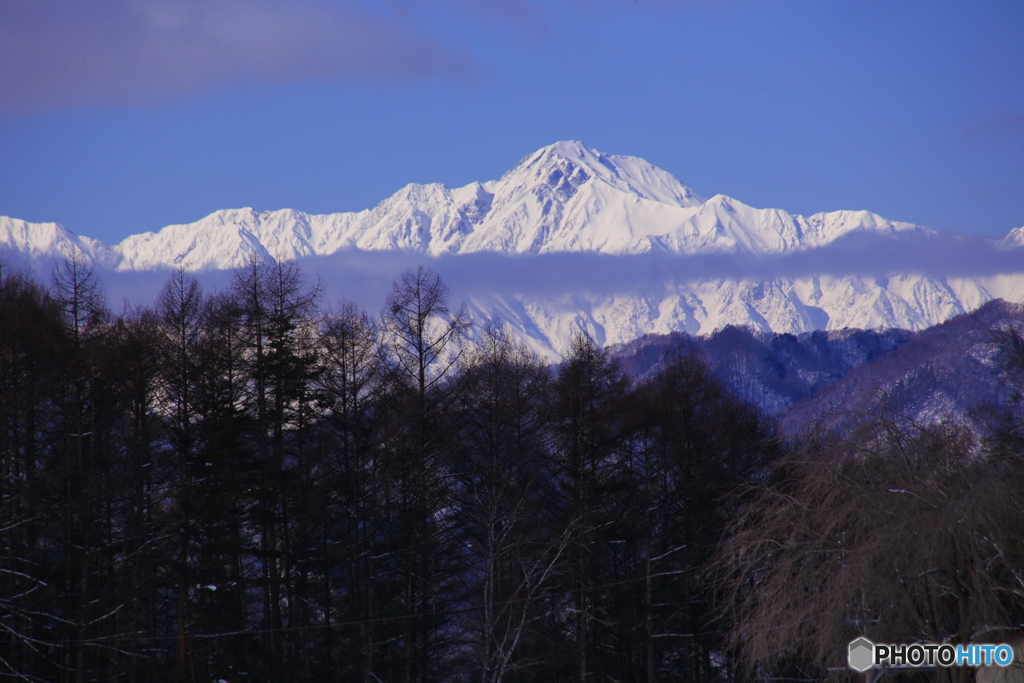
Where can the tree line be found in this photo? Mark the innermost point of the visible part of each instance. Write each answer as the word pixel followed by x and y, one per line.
pixel 244 485
pixel 248 485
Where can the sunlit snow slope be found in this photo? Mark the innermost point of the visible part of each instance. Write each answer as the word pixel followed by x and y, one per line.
pixel 569 199
pixel 565 197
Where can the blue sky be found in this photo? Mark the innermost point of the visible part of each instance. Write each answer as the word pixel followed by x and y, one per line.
pixel 121 116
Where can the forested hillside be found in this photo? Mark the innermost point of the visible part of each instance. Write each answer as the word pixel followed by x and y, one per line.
pixel 255 485
pixel 775 371
pixel 249 485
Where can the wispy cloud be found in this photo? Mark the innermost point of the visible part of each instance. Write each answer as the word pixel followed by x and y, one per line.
pixel 56 53
pixel 526 16
pixel 59 53
pixel 998 126
pixel 939 256
pixel 365 276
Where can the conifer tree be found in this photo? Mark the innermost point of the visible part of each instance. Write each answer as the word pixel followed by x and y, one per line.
pixel 425 344
pixel 32 343
pixel 348 494
pixel 278 310
pixel 587 425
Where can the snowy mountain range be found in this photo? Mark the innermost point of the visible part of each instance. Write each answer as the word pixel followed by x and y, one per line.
pixel 623 248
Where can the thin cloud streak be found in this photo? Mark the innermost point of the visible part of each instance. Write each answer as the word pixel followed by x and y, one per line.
pixel 364 276
pixel 57 53
pixel 526 17
pixel 999 127
pixel 941 257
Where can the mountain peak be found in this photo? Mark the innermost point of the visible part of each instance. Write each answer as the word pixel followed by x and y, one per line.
pixel 568 198
pixel 560 154
pixel 1013 240
pixel 565 197
pixel 572 151
pixel 568 149
pixel 579 163
pixel 42 243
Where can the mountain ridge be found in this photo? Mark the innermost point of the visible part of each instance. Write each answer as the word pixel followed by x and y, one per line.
pixel 564 197
pixel 950 371
pixel 560 206
pixel 831 383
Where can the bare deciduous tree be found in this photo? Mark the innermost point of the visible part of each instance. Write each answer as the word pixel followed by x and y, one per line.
pixel 425 344
pixel 516 554
pixel 426 333
pixel 911 536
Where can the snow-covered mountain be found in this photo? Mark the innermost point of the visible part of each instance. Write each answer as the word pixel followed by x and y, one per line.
pixel 21 242
pixel 563 198
pixel 1013 240
pixel 567 199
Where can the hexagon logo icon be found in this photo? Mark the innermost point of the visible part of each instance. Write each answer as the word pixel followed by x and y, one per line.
pixel 862 654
